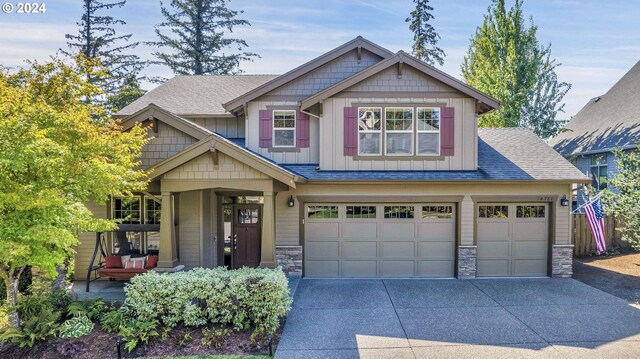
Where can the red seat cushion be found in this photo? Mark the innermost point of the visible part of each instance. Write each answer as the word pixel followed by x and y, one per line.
pixel 113 262
pixel 152 262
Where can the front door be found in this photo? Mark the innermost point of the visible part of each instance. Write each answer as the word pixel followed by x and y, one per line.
pixel 246 236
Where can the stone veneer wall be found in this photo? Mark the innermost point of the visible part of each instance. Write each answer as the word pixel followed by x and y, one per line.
pixel 289 258
pixel 562 261
pixel 467 256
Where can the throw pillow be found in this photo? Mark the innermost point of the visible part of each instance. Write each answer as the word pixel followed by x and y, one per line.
pixel 112 262
pixel 133 264
pixel 152 262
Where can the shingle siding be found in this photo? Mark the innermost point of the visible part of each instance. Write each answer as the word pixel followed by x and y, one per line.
pixel 410 81
pixel 165 144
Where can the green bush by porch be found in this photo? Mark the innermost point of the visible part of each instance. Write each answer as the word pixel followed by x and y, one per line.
pixel 239 298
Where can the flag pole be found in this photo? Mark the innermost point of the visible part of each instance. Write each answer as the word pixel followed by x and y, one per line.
pixel 587 203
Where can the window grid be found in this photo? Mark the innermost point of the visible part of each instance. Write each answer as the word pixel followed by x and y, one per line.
pixel 493 211
pixel 284 128
pixel 530 211
pixel 598 170
pixel 398 121
pixel 428 127
pixel 399 212
pixel 369 129
pixel 361 212
pixel 437 211
pixel 127 209
pixel 153 211
pixel 322 212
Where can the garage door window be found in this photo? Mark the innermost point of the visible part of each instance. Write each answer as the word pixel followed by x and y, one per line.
pixel 361 211
pixel 493 211
pixel 398 212
pixel 322 212
pixel 437 211
pixel 530 212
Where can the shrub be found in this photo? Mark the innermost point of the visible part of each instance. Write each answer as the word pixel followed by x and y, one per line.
pixel 240 298
pixel 134 331
pixel 214 338
pixel 112 320
pixel 59 300
pixel 76 327
pixel 37 328
pixel 92 309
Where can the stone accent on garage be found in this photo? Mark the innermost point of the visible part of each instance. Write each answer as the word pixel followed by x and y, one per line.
pixel 467 262
pixel 289 258
pixel 562 261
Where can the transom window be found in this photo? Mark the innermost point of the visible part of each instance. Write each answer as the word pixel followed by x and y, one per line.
pixel 437 211
pixel 493 211
pixel 322 211
pixel 127 210
pixel 598 170
pixel 284 128
pixel 369 131
pixel 398 131
pixel 529 211
pixel 361 211
pixel 399 212
pixel 428 132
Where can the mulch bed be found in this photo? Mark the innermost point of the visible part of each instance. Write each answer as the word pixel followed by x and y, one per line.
pixel 101 345
pixel 618 275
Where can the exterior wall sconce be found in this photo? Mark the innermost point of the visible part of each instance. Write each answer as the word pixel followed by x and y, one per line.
pixel 564 202
pixel 292 201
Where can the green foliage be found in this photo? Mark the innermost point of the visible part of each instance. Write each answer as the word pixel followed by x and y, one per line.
pixel 184 339
pixel 128 92
pixel 195 32
pixel 23 284
pixel 60 300
pixel 58 152
pixel 425 37
pixel 112 320
pixel 76 327
pixel 626 204
pixel 38 327
pixel 240 298
pixel 135 331
pixel 214 338
pixel 92 309
pixel 506 61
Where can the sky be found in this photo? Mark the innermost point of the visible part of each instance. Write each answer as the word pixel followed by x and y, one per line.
pixel 595 41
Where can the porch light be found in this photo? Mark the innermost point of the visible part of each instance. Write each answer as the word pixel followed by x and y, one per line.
pixel 564 202
pixel 292 201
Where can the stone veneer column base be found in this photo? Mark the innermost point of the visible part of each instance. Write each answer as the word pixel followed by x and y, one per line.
pixel 562 261
pixel 467 262
pixel 289 258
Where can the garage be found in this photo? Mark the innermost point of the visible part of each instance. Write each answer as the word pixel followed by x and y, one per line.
pixel 513 239
pixel 379 240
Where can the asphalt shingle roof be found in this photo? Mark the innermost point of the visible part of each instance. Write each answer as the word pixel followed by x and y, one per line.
pixel 197 95
pixel 505 154
pixel 605 122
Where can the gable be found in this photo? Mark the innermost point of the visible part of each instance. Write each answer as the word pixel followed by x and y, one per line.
pixel 203 167
pixel 327 74
pixel 164 144
pixel 411 80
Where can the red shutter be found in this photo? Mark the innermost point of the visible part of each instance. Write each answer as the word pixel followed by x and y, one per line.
pixel 302 129
pixel 447 131
pixel 266 128
pixel 350 131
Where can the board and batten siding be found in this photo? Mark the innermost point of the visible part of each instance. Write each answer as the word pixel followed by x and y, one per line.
pixel 229 127
pixel 85 248
pixel 298 155
pixel 332 136
pixel 202 167
pixel 287 221
pixel 166 143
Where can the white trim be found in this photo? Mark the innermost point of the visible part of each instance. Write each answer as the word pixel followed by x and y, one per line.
pixel 411 131
pixel 371 131
pixel 273 128
pixel 418 131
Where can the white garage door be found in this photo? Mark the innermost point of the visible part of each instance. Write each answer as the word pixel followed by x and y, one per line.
pixel 513 239
pixel 379 240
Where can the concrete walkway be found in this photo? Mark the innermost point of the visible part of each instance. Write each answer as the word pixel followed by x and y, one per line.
pixel 492 318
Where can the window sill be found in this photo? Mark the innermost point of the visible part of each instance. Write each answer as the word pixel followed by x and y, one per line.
pixel 284 149
pixel 398 158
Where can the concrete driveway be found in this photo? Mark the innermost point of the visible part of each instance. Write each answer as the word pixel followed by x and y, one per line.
pixel 496 318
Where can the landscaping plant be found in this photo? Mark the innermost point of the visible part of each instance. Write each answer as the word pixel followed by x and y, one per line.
pixel 76 327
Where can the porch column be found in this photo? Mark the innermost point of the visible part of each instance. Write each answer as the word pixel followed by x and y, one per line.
pixel 168 257
pixel 467 250
pixel 268 247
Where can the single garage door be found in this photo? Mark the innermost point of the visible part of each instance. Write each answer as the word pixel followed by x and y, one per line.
pixel 379 240
pixel 513 239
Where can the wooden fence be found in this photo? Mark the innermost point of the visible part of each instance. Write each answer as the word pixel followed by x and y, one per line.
pixel 583 238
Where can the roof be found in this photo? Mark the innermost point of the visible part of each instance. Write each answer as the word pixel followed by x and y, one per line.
pixel 402 57
pixel 191 95
pixel 605 122
pixel 358 42
pixel 505 154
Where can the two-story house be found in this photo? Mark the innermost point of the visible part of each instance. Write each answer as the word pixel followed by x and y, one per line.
pixel 359 163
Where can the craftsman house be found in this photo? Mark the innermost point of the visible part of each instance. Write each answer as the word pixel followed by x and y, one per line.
pixel 359 163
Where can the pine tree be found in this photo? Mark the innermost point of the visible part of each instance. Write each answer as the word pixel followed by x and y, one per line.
pixel 128 92
pixel 97 39
pixel 506 61
pixel 197 38
pixel 425 37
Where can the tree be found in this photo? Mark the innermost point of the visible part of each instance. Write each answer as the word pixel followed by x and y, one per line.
pixel 97 39
pixel 128 92
pixel 198 36
pixel 626 203
pixel 506 61
pixel 425 37
pixel 55 157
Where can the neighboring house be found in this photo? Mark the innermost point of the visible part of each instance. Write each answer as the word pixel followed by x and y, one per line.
pixel 604 123
pixel 359 163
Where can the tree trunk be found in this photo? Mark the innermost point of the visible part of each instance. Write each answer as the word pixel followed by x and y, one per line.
pixel 60 282
pixel 11 283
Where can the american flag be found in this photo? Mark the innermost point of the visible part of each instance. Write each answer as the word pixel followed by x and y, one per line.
pixel 595 215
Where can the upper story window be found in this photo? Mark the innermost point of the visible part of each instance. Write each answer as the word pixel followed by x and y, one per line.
pixel 398 129
pixel 598 171
pixel 284 128
pixel 369 131
pixel 428 132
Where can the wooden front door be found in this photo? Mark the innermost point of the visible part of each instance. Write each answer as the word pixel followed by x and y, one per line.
pixel 246 235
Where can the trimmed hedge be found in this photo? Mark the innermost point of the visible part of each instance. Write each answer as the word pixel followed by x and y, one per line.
pixel 240 298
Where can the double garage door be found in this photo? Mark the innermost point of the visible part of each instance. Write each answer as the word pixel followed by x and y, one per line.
pixel 379 240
